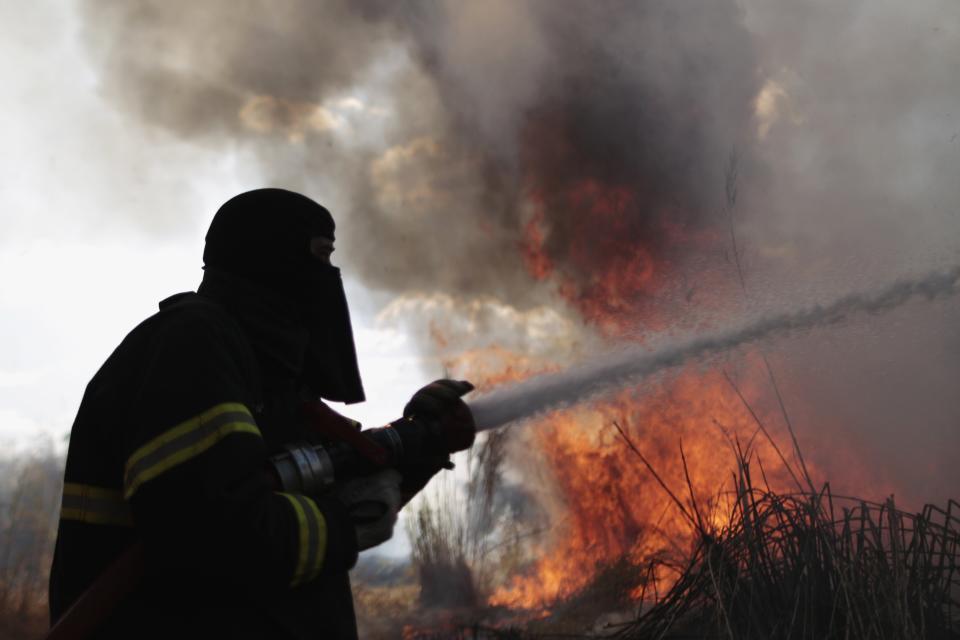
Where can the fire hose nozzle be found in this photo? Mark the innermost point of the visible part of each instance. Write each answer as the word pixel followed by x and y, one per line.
pixel 304 468
pixel 312 469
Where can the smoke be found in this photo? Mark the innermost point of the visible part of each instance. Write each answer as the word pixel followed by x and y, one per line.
pixel 863 176
pixel 486 104
pixel 525 153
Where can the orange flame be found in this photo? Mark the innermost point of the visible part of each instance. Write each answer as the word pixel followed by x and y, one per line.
pixel 606 504
pixel 619 256
pixel 614 507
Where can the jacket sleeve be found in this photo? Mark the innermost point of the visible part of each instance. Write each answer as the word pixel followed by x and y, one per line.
pixel 195 478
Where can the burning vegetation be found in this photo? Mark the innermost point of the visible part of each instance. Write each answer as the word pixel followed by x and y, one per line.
pixel 679 513
pixel 675 509
pixel 684 508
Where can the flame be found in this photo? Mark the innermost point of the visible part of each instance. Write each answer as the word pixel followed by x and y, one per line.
pixel 604 226
pixel 605 503
pixel 535 257
pixel 620 254
pixel 613 260
pixel 614 508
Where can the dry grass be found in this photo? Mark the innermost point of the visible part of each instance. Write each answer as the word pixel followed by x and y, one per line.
pixel 382 611
pixel 815 566
pixel 808 564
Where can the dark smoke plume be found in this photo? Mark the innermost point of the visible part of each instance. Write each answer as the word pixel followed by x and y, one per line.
pixel 497 103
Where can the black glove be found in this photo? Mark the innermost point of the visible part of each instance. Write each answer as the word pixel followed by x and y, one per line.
pixel 439 407
pixel 446 426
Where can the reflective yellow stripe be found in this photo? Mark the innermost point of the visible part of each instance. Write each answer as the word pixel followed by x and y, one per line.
pixel 302 539
pixel 185 441
pixel 321 544
pixel 311 538
pixel 95 505
pixel 90 491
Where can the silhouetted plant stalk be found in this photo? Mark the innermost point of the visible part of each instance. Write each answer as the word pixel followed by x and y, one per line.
pixel 803 566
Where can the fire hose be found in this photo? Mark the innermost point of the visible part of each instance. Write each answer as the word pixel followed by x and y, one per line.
pixel 305 468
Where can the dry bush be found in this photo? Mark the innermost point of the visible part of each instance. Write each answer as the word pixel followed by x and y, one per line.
pixel 440 549
pixel 460 534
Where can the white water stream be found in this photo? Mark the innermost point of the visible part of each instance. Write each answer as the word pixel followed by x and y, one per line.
pixel 593 378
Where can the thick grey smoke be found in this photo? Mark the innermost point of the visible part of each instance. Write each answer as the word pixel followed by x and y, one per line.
pixel 491 104
pixel 442 134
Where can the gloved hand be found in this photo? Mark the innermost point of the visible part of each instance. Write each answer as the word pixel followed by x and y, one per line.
pixel 439 407
pixel 372 503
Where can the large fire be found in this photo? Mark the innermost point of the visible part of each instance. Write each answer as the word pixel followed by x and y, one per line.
pixel 613 504
pixel 606 503
pixel 609 506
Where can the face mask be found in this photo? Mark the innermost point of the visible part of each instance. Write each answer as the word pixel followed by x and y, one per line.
pixel 330 368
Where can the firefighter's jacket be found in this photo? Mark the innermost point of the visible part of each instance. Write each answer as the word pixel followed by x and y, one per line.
pixel 169 447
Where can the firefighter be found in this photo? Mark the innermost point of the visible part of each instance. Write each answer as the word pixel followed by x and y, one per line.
pixel 169 445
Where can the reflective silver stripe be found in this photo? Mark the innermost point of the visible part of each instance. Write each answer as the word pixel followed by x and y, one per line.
pixel 185 441
pixel 95 505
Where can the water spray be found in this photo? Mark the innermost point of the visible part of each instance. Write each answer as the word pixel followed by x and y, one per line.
pixel 604 375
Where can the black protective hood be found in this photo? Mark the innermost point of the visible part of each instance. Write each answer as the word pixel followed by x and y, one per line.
pixel 263 237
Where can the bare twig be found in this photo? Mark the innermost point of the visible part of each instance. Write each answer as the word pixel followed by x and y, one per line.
pixel 786 418
pixel 763 429
pixel 730 192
